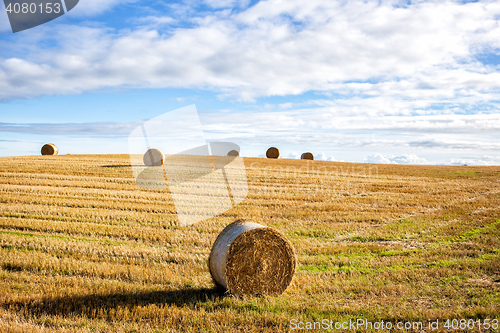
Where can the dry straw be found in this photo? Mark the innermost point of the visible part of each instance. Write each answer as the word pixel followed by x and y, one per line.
pixel 251 259
pixel 153 157
pixel 273 152
pixel 307 156
pixel 233 153
pixel 50 149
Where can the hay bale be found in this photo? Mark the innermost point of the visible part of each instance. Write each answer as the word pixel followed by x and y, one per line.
pixel 50 149
pixel 307 156
pixel 153 157
pixel 233 153
pixel 251 259
pixel 273 152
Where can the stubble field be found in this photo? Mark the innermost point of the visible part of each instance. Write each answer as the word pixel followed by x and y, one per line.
pixel 84 249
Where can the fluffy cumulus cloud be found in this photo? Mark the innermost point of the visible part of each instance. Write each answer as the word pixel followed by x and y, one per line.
pixel 226 3
pixel 391 159
pixel 378 158
pixel 424 51
pixel 324 157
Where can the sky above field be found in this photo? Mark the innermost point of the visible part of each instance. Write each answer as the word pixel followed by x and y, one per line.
pixel 357 81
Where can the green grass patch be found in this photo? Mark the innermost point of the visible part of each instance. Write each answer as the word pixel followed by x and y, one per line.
pixel 391 253
pixel 474 232
pixel 312 233
pixel 451 174
pixel 489 256
pixel 442 263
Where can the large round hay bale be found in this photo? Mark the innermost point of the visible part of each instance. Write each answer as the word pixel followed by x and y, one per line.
pixel 153 157
pixel 273 152
pixel 307 156
pixel 251 259
pixel 233 153
pixel 50 149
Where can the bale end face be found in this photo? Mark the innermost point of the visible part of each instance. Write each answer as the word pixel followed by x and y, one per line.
pixel 50 149
pixel 273 152
pixel 307 156
pixel 153 157
pixel 251 259
pixel 233 153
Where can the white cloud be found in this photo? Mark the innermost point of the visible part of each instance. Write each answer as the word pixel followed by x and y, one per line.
pixel 282 48
pixel 391 159
pixel 94 7
pixel 469 142
pixel 324 127
pixel 321 157
pixel 379 158
pixel 324 157
pixel 285 105
pixel 155 21
pixel 409 159
pixel 226 3
pixel 474 160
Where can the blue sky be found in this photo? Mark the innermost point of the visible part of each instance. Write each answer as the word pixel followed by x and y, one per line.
pixel 361 81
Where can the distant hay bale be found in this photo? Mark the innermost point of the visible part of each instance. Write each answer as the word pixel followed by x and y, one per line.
pixel 307 156
pixel 273 152
pixel 233 153
pixel 50 149
pixel 251 259
pixel 153 157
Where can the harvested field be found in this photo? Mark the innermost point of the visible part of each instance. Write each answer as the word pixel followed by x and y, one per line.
pixel 83 249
